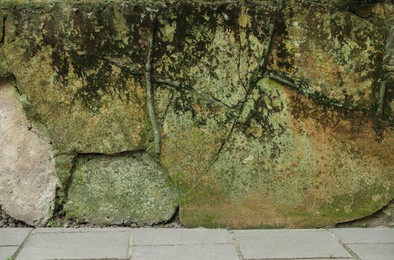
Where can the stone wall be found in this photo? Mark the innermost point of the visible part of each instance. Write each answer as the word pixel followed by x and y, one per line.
pixel 242 114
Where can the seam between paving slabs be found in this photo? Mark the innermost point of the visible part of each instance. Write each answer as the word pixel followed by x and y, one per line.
pixel 350 251
pixel 308 258
pixel 130 247
pixel 236 245
pixel 20 247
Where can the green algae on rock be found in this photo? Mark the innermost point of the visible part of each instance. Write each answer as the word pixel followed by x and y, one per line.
pixel 85 89
pixel 120 190
pixel 331 53
pixel 291 162
pixel 242 150
pixel 212 49
pixel 194 130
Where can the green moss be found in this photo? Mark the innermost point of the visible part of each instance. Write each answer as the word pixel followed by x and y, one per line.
pixel 104 187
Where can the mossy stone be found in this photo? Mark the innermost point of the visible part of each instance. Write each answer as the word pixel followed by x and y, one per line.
pixel 120 190
pixel 282 167
pixel 334 54
pixel 87 91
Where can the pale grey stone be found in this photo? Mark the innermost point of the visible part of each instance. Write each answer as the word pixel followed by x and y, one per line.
pixel 189 252
pixel 373 251
pixel 13 236
pixel 288 244
pixel 149 236
pixel 365 235
pixel 7 251
pixel 27 178
pixel 109 243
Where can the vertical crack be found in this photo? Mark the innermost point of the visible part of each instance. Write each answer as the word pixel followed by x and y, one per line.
pixel 170 98
pixel 257 75
pixel 149 90
pixel 382 93
pixel 2 38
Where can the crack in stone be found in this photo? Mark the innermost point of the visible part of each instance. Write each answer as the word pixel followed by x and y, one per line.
pixel 304 89
pixel 382 93
pixel 62 190
pixel 256 76
pixel 2 39
pixel 170 99
pixel 177 85
pixel 149 90
pixel 167 82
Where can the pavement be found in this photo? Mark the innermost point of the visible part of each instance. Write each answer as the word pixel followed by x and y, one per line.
pixel 193 244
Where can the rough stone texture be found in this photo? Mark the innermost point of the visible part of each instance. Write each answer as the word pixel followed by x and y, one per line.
pixel 7 221
pixel 333 55
pixel 83 75
pixel 291 162
pixel 243 150
pixel 388 103
pixel 120 189
pixel 27 177
pixel 214 84
pixel 200 47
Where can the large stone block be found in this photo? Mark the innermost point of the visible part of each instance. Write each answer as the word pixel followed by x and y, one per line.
pixel 27 169
pixel 120 190
pixel 213 50
pixel 80 68
pixel 290 162
pixel 333 56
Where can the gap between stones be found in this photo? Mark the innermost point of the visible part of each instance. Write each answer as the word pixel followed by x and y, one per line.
pixel 2 39
pixel 149 91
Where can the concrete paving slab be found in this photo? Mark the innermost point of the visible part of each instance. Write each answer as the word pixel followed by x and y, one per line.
pixel 108 243
pixel 7 251
pixel 365 235
pixel 257 244
pixel 150 236
pixel 13 236
pixel 373 251
pixel 182 252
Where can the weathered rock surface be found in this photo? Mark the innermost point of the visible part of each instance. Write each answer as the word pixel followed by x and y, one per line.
pixel 120 189
pixel 388 66
pixel 82 76
pixel 27 170
pixel 201 46
pixel 332 55
pixel 291 162
pixel 242 149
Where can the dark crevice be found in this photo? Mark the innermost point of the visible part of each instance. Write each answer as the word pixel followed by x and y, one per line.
pixel 174 84
pixel 304 89
pixel 173 222
pixel 62 193
pixel 8 221
pixel 178 85
pixel 218 100
pixel 382 217
pixel 122 153
pixel 2 39
pixel 170 99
